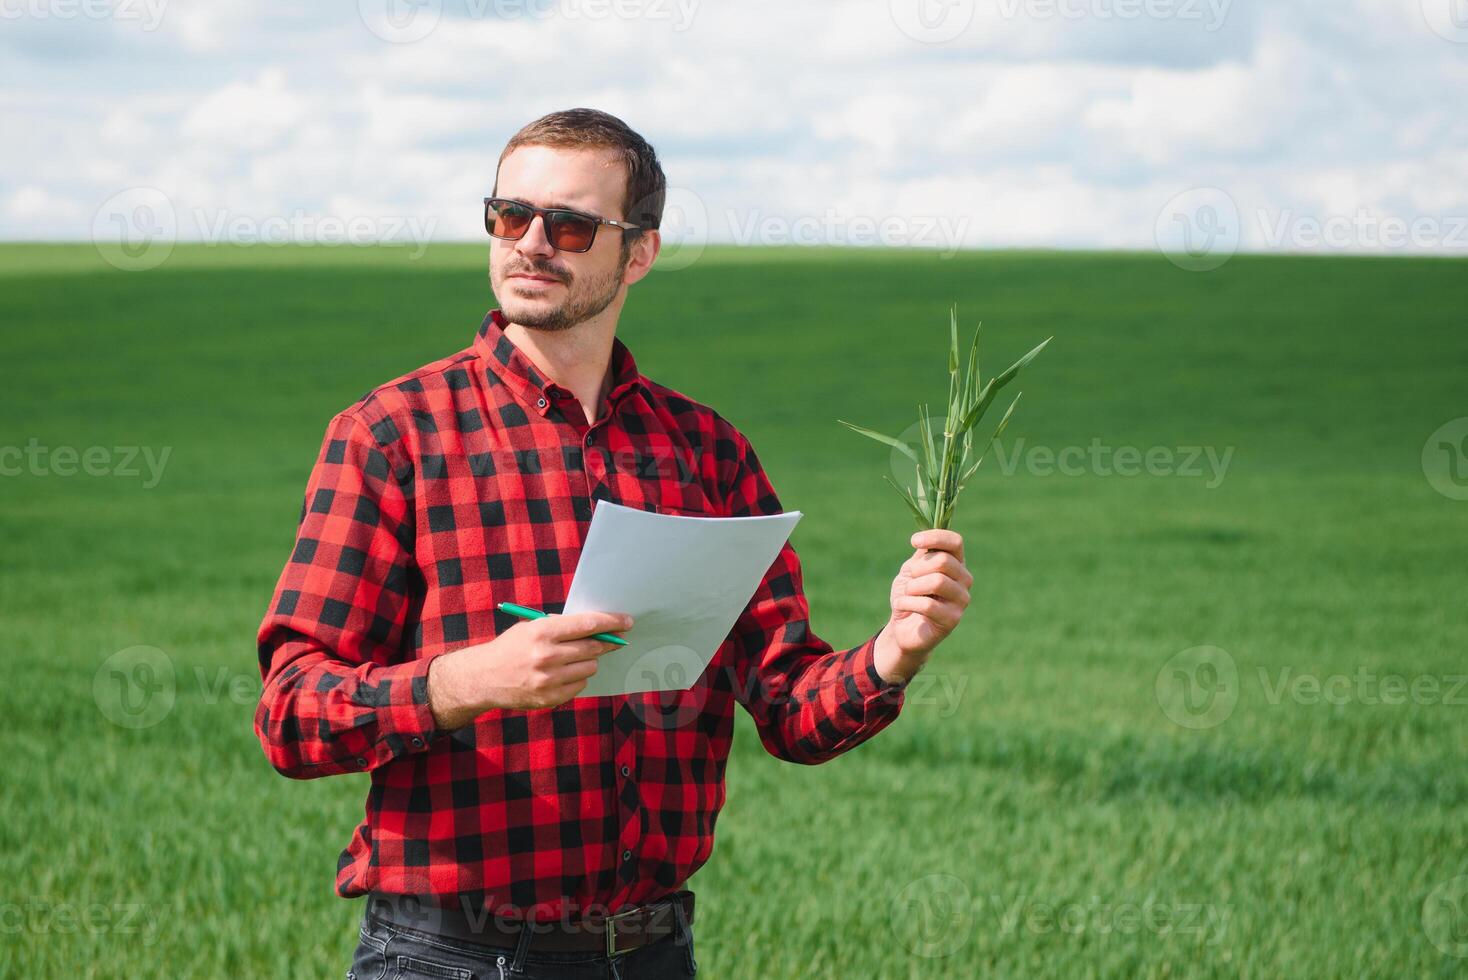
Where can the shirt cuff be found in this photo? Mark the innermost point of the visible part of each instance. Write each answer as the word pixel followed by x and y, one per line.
pixel 408 726
pixel 869 683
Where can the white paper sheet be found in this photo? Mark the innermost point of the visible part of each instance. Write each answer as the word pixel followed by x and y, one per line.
pixel 684 580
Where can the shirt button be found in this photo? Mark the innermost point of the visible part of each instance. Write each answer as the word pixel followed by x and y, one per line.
pixel 417 742
pixel 540 403
pixel 626 771
pixel 626 855
pixel 361 761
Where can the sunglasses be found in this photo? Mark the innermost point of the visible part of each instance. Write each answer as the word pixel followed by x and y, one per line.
pixel 567 230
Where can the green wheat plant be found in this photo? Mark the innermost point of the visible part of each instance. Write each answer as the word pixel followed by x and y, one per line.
pixel 943 465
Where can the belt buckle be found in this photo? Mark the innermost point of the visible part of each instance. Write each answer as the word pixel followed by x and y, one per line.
pixel 612 951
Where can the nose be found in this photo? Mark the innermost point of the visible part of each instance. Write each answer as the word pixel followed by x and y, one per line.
pixel 534 241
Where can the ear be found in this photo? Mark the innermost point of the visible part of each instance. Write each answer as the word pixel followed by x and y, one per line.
pixel 644 253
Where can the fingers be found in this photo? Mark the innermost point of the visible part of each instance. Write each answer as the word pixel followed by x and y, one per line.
pixel 941 539
pixel 944 614
pixel 940 585
pixel 940 561
pixel 579 625
pixel 571 651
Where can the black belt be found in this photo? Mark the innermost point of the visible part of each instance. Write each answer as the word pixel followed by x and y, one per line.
pixel 611 934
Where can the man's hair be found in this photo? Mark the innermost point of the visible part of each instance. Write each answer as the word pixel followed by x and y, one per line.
pixel 593 129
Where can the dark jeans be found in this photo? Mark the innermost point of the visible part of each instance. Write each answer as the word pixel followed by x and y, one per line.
pixel 388 952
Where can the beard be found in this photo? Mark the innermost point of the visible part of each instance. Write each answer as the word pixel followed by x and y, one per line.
pixel 583 299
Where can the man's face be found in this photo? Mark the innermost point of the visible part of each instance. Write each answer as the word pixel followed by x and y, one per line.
pixel 541 287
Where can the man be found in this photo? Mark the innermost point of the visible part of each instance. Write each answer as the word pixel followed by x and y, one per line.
pixel 510 825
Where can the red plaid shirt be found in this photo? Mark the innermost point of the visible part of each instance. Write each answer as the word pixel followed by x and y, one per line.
pixel 470 482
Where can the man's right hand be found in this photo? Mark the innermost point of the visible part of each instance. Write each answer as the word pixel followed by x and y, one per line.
pixel 537 663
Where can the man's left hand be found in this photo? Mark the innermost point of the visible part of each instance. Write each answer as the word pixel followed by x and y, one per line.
pixel 929 596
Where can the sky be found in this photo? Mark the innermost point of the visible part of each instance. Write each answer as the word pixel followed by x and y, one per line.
pixel 1197 126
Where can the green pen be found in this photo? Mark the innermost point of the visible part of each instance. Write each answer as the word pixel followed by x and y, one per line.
pixel 525 612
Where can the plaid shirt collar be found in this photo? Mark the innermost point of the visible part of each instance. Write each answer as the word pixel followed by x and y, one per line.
pixel 510 366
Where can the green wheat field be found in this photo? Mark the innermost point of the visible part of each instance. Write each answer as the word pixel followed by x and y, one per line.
pixel 1206 715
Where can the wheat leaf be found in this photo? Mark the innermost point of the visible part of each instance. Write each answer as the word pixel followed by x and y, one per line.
pixel 897 444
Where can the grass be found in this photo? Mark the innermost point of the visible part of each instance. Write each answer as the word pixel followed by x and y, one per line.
pixel 1034 812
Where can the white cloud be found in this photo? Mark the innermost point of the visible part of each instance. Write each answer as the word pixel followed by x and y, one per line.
pixel 1040 122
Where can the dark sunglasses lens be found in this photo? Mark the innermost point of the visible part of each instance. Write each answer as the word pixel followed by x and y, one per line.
pixel 506 220
pixel 570 232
